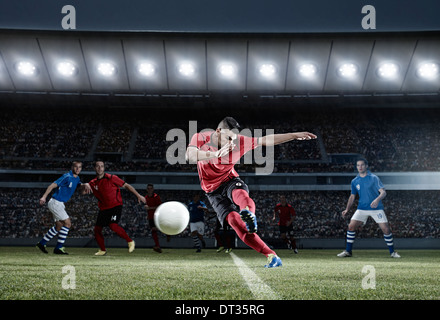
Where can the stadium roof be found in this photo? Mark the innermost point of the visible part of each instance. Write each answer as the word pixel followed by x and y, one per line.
pixel 187 64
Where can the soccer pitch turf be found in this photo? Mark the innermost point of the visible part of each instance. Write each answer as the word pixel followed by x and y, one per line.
pixel 183 274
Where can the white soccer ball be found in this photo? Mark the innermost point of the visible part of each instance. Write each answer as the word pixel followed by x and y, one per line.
pixel 171 217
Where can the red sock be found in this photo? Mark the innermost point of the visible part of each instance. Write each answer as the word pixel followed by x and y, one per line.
pixel 242 199
pixel 155 237
pixel 251 239
pixel 99 237
pixel 119 231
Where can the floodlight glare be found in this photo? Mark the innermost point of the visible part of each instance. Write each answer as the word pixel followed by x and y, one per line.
pixel 66 68
pixel 187 69
pixel 106 69
pixel 147 69
pixel 388 70
pixel 308 70
pixel 268 70
pixel 348 70
pixel 428 70
pixel 227 70
pixel 26 68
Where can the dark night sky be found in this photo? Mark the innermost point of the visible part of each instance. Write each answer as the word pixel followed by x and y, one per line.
pixel 222 15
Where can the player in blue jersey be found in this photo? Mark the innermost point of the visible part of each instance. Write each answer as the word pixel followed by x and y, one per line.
pixel 197 210
pixel 371 191
pixel 65 187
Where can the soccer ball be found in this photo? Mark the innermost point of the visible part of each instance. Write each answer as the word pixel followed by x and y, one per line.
pixel 171 217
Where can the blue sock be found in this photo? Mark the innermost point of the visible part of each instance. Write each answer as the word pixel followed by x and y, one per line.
pixel 49 235
pixel 62 237
pixel 389 241
pixel 351 235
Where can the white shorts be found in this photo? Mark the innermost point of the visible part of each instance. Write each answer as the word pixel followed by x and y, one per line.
pixel 197 226
pixel 58 210
pixel 362 215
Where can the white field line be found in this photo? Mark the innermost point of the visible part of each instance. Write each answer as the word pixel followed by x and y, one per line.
pixel 259 289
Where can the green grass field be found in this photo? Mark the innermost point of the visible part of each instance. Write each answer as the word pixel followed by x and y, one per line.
pixel 182 274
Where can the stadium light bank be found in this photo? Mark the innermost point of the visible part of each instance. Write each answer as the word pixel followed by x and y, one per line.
pixel 263 157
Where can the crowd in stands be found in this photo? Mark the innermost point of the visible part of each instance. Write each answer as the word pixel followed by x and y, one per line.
pixel 412 214
pixel 392 140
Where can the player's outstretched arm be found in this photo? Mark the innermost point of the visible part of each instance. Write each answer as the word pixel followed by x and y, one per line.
pixel 133 190
pixel 274 139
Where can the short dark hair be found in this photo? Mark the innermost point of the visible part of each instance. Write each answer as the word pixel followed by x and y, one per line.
pixel 229 123
pixel 362 159
pixel 96 161
pixel 150 185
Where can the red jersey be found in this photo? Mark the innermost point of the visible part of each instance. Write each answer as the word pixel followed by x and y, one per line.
pixel 153 201
pixel 285 213
pixel 214 172
pixel 107 191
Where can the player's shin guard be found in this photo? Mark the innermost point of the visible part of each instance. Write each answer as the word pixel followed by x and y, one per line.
pixel 250 239
pixel 389 241
pixel 351 235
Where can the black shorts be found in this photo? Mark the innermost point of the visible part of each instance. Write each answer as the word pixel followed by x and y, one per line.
pixel 106 217
pixel 287 229
pixel 221 198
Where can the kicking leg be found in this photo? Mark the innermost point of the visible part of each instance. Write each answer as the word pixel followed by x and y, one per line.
pixel 247 208
pixel 253 240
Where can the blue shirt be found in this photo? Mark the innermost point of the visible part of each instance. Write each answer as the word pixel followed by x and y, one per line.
pixel 66 187
pixel 368 190
pixel 196 214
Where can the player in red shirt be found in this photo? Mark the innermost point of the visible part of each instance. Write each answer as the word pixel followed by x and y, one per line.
pixel 106 188
pixel 153 201
pixel 216 153
pixel 286 215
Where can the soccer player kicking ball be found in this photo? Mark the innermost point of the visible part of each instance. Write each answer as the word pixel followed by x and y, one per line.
pixel 216 153
pixel 371 192
pixel 106 188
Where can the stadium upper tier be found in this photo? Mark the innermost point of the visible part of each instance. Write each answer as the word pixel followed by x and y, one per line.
pixel 393 140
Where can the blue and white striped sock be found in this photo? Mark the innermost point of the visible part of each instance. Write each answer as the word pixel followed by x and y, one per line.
pixel 351 235
pixel 389 241
pixel 49 235
pixel 62 237
pixel 197 242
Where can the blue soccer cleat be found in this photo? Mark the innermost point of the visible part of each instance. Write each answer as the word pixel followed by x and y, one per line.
pixel 273 261
pixel 250 219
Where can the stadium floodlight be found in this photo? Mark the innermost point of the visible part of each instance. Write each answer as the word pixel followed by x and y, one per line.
pixel 227 70
pixel 66 68
pixel 428 70
pixel 348 70
pixel 147 69
pixel 106 69
pixel 26 68
pixel 308 70
pixel 268 70
pixel 187 69
pixel 388 70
